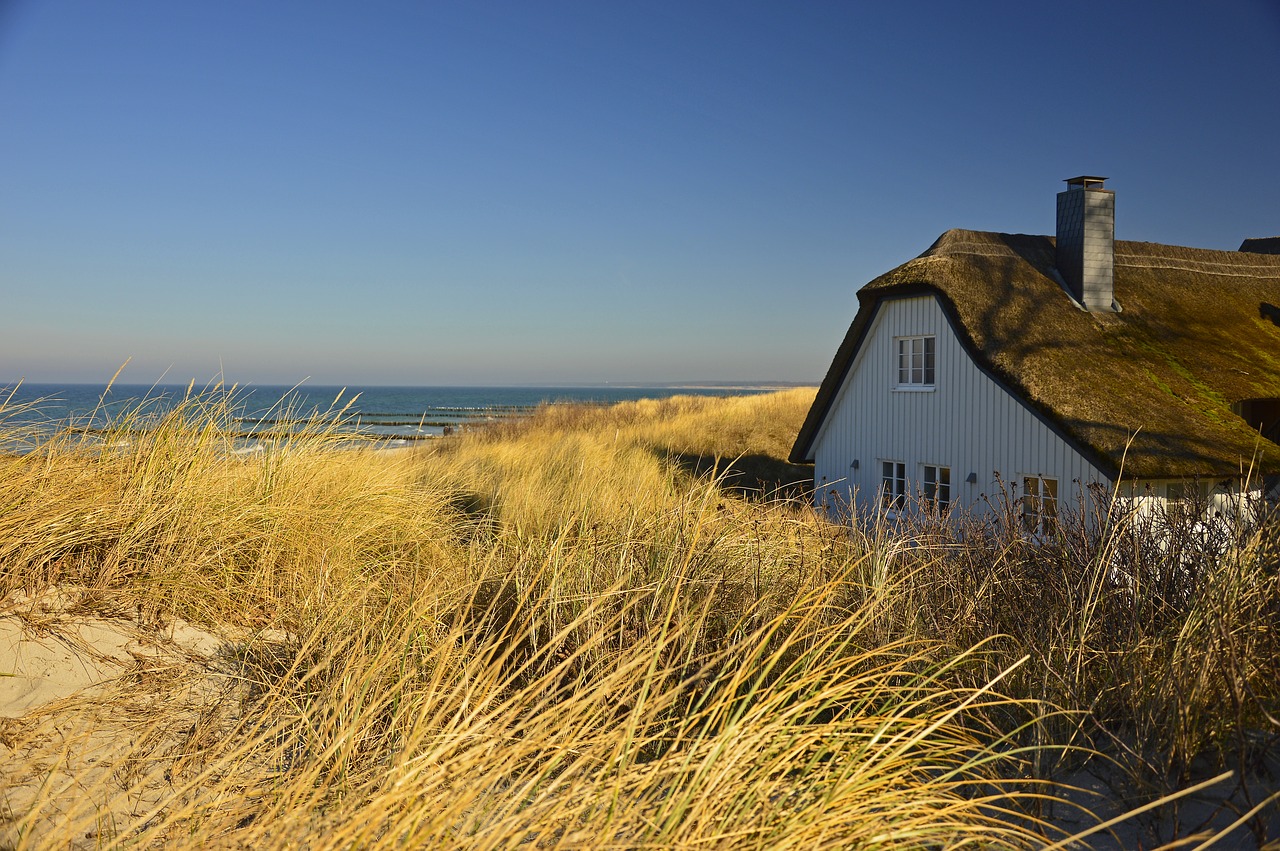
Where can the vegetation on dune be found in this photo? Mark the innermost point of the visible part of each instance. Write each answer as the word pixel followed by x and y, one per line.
pixel 595 627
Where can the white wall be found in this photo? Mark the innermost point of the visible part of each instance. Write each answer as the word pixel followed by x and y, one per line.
pixel 968 422
pixel 1218 497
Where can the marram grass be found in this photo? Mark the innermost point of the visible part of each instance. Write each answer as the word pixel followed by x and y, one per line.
pixel 556 633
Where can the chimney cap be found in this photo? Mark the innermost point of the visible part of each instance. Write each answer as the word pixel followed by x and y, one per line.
pixel 1086 181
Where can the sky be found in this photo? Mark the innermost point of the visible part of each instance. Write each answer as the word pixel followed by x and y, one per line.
pixel 503 193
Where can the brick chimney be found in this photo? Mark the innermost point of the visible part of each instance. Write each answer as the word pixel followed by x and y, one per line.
pixel 1086 241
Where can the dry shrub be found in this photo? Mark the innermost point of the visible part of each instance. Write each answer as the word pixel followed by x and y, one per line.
pixel 1155 628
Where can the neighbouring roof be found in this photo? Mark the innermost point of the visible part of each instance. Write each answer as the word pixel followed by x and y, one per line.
pixel 1262 245
pixel 1148 391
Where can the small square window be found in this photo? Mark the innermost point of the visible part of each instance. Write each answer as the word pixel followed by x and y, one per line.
pixel 917 361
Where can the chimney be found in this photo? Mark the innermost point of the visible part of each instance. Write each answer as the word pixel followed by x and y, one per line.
pixel 1086 241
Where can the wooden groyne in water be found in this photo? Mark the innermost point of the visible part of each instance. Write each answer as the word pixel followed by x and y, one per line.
pixel 98 431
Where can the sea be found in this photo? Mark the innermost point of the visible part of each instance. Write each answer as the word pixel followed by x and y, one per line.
pixel 391 416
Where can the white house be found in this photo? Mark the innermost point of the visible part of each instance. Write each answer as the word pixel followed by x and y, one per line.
pixel 1037 365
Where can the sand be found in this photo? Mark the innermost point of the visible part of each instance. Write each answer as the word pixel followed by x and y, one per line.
pixel 104 719
pixel 50 650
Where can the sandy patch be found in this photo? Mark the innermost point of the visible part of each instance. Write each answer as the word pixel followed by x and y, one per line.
pixel 49 653
pixel 105 722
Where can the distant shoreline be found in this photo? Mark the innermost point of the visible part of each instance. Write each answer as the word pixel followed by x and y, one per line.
pixel 306 385
pixel 379 413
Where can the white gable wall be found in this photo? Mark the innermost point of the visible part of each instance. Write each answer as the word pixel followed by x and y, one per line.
pixel 968 422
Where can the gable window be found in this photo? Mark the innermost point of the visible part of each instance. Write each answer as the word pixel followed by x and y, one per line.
pixel 893 484
pixel 936 486
pixel 916 361
pixel 1039 504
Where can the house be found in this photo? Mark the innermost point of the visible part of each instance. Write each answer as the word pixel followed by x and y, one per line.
pixel 1037 365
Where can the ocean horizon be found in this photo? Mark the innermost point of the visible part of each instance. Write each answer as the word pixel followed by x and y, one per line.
pixel 392 412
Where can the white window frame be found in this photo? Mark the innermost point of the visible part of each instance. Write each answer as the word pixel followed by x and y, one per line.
pixel 935 486
pixel 1041 499
pixel 893 485
pixel 916 362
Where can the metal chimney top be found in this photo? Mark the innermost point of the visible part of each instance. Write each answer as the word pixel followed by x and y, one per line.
pixel 1086 181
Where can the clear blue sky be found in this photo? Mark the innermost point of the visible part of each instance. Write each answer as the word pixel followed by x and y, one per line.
pixel 529 192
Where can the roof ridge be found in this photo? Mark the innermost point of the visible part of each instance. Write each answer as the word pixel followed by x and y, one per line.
pixel 1180 265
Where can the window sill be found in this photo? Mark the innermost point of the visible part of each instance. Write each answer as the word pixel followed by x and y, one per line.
pixel 915 388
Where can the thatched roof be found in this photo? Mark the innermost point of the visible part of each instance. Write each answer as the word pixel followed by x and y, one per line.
pixel 1149 390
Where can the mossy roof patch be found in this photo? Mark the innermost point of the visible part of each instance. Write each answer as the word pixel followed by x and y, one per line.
pixel 1148 390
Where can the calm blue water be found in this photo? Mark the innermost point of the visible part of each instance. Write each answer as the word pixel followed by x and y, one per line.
pixel 395 412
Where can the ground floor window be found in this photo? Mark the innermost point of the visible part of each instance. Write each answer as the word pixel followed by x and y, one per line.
pixel 1187 492
pixel 893 484
pixel 1186 499
pixel 1039 504
pixel 936 486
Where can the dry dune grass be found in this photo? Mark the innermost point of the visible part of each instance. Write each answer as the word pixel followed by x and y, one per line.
pixel 553 633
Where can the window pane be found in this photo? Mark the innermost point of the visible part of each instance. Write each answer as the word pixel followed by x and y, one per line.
pixel 1187 491
pixel 1031 504
pixel 1049 498
pixel 893 483
pixel 1039 504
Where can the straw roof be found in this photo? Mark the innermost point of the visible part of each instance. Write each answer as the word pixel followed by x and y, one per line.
pixel 1149 390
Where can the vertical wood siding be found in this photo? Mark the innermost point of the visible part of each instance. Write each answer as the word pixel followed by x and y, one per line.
pixel 967 422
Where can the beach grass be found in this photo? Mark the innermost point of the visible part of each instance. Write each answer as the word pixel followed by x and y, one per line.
pixel 596 627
